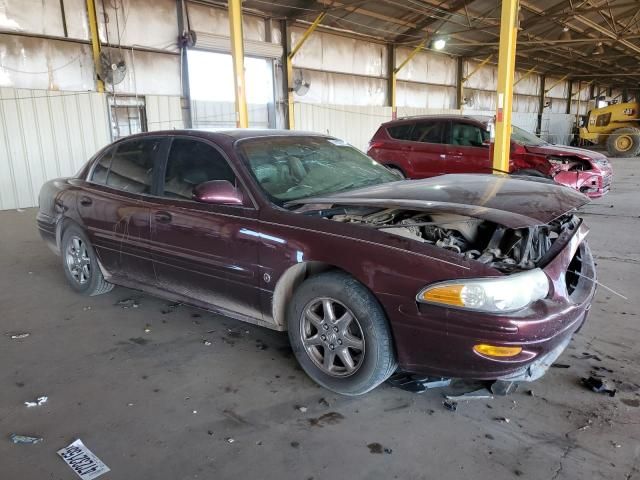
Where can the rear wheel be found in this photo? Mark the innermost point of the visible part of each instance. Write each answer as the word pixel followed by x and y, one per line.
pixel 80 263
pixel 340 335
pixel 397 171
pixel 624 142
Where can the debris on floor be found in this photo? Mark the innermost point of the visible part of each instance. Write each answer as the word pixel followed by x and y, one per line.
pixel 147 328
pixel 417 383
pixel 230 439
pixel 502 388
pixel 588 356
pixel 206 343
pixel 301 408
pixel 331 418
pixel 450 405
pixel 482 393
pixel 25 439
pixel 377 448
pixel 39 401
pixel 18 336
pixel 560 365
pixel 502 419
pixel 171 307
pixel 83 461
pixel 128 303
pixel 598 385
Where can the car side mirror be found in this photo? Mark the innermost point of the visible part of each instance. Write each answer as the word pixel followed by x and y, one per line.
pixel 217 192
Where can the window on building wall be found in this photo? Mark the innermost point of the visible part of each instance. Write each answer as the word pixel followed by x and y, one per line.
pixel 128 116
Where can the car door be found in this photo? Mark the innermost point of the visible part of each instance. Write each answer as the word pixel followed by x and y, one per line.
pixel 114 207
pixel 427 154
pixel 468 149
pixel 204 252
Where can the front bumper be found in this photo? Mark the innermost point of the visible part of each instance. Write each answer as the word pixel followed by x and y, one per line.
pixel 435 340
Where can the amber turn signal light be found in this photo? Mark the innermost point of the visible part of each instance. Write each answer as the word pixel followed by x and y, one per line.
pixel 445 294
pixel 496 351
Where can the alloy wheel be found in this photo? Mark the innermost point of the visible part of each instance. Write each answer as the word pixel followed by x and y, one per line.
pixel 332 337
pixel 78 261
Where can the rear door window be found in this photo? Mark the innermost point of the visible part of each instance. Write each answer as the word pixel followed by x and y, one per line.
pixel 468 135
pixel 101 169
pixel 132 165
pixel 430 131
pixel 190 163
pixel 400 132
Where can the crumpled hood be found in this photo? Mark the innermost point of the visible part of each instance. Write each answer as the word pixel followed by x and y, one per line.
pixel 505 200
pixel 567 151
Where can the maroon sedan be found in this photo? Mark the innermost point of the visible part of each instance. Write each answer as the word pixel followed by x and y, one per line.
pixel 476 276
pixel 421 147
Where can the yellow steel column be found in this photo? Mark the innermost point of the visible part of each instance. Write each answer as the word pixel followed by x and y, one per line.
pixel 292 54
pixel 237 53
pixel 394 76
pixel 95 40
pixel 506 69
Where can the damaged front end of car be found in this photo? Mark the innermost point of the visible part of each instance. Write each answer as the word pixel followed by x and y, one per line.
pixel 528 277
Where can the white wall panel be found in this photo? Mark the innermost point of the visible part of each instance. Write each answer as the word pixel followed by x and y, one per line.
pixel 484 78
pixel 420 95
pixel 559 90
pixel 37 63
pixel 148 23
pixel 556 127
pixel 354 124
pixel 341 89
pixel 45 135
pixel 216 20
pixel 164 112
pixel 336 53
pixel 427 67
pixel 32 16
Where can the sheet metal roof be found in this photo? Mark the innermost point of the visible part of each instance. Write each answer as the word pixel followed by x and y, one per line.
pixel 471 28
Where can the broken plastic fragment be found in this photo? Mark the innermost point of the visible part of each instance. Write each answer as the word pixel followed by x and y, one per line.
pixel 18 336
pixel 598 385
pixel 482 393
pixel 39 401
pixel 230 440
pixel 206 343
pixel 128 303
pixel 450 405
pixel 302 409
pixel 24 439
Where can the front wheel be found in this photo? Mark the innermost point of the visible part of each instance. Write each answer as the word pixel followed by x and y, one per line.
pixel 340 335
pixel 624 142
pixel 80 263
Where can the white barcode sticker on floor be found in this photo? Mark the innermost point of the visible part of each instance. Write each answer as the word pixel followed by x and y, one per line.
pixel 83 461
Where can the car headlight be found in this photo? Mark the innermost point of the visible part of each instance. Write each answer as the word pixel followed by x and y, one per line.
pixel 496 295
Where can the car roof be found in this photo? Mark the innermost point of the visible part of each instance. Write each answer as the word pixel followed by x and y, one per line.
pixel 230 133
pixel 445 116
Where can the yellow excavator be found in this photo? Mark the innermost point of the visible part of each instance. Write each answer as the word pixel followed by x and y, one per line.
pixel 617 126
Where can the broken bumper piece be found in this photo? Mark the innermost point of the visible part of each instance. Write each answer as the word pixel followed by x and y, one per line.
pixel 538 367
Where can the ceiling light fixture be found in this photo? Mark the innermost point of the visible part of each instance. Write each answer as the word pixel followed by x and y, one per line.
pixel 599 50
pixel 438 44
pixel 566 34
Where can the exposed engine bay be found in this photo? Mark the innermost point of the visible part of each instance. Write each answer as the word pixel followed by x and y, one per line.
pixel 568 164
pixel 505 249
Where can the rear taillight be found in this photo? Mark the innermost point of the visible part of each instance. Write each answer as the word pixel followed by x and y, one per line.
pixel 375 144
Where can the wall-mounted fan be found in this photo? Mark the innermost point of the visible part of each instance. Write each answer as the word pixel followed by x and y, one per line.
pixel 112 68
pixel 300 85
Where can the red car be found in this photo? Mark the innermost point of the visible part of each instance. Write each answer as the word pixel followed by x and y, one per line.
pixel 420 147
pixel 475 276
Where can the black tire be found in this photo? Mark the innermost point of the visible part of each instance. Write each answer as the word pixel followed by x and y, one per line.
pixel 94 283
pixel 624 142
pixel 376 362
pixel 397 171
pixel 530 172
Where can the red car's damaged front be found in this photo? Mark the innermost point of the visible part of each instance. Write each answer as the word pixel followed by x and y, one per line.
pixel 583 170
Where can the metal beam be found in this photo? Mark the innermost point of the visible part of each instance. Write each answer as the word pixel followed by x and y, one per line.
pixel 394 76
pixel 237 54
pixel 479 66
pixel 506 71
pixel 526 74
pixel 183 35
pixel 460 83
pixel 95 40
pixel 556 83
pixel 292 54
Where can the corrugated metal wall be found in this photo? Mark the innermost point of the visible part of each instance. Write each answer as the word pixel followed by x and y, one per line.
pixel 164 112
pixel 46 134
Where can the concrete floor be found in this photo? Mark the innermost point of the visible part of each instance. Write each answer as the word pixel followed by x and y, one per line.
pixel 161 404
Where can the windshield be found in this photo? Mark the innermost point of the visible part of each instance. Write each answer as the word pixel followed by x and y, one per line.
pixel 523 137
pixel 290 168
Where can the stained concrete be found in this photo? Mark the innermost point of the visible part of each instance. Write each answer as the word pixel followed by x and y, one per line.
pixel 161 404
